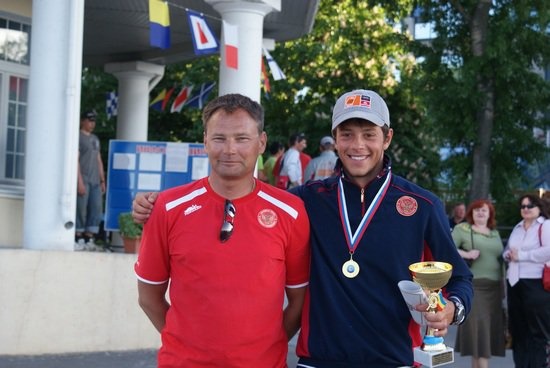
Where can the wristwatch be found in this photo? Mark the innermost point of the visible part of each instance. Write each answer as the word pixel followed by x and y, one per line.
pixel 460 312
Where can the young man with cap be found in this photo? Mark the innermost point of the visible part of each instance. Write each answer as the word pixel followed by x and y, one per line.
pixel 91 184
pixel 367 227
pixel 322 166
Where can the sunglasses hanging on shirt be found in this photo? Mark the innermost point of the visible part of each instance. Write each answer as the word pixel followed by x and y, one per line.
pixel 228 218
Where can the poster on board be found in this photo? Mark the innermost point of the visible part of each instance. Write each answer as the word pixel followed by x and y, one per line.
pixel 135 167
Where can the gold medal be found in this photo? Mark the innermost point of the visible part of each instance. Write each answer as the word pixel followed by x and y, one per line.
pixel 350 269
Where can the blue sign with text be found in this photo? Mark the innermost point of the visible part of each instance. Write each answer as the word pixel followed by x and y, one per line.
pixel 148 167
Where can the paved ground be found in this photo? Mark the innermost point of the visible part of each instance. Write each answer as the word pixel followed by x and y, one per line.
pixel 147 359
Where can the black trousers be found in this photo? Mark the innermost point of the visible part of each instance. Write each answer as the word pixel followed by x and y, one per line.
pixel 529 323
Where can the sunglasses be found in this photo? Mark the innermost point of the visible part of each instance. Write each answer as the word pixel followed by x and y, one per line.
pixel 529 206
pixel 228 217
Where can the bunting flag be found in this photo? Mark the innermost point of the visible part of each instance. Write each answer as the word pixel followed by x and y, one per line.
pixel 265 80
pixel 182 96
pixel 167 98
pixel 198 99
pixel 160 102
pixel 111 104
pixel 276 72
pixel 159 24
pixel 204 41
pixel 157 102
pixel 231 45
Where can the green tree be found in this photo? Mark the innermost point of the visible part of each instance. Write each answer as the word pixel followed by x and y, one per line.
pixel 354 45
pixel 483 89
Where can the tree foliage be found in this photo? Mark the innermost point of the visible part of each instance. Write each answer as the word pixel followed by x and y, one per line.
pixel 483 89
pixel 354 44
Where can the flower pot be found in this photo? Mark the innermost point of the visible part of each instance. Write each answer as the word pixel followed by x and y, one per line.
pixel 131 245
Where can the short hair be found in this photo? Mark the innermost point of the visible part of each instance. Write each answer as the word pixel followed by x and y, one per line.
pixel 491 222
pixel 537 201
pixel 357 121
pixel 230 103
pixel 275 146
pixel 295 138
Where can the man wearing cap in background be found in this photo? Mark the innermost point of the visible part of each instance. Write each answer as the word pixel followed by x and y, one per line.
pixel 367 226
pixel 91 184
pixel 322 166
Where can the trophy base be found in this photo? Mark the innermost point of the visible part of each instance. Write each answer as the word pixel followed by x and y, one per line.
pixel 434 358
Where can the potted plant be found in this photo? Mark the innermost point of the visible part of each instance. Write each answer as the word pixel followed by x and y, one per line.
pixel 130 232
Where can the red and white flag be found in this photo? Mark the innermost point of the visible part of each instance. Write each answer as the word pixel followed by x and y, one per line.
pixel 276 72
pixel 182 96
pixel 231 45
pixel 204 41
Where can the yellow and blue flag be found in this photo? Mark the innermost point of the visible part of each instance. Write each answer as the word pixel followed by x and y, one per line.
pixel 159 24
pixel 160 102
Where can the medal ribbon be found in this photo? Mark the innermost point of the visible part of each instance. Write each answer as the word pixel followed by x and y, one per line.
pixel 353 239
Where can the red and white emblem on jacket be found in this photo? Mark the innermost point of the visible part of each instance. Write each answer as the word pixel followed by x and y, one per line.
pixel 267 218
pixel 406 206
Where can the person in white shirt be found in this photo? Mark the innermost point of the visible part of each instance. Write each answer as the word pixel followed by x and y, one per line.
pixel 527 251
pixel 292 166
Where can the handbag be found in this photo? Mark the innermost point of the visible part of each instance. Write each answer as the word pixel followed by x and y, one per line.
pixel 546 277
pixel 546 269
pixel 469 262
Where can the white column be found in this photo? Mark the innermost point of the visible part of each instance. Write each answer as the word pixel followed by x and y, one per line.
pixel 135 80
pixel 249 18
pixel 53 124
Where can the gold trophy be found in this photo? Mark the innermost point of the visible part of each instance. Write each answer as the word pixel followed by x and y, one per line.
pixel 432 276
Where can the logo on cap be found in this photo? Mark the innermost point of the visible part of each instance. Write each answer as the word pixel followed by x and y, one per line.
pixel 357 100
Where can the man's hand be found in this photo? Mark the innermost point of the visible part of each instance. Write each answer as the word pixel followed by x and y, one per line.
pixel 438 321
pixel 142 206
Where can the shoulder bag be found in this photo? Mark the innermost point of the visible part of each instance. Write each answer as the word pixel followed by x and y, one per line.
pixel 469 262
pixel 546 269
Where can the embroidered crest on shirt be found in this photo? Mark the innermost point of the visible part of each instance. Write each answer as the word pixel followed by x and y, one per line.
pixel 267 218
pixel 191 209
pixel 406 206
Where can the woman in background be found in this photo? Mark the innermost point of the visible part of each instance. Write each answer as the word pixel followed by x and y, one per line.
pixel 482 334
pixel 528 303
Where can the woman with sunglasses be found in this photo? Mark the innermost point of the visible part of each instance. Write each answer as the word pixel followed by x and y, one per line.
pixel 528 303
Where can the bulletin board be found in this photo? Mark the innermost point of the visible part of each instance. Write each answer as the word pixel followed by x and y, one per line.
pixel 148 167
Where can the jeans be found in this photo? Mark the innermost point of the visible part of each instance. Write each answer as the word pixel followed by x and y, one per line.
pixel 89 209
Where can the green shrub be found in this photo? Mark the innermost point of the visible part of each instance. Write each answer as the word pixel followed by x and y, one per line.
pixel 128 228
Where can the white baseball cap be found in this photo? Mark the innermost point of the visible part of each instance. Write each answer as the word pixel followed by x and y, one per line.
pixel 326 140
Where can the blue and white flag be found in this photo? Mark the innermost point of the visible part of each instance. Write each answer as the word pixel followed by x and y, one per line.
pixel 111 104
pixel 204 41
pixel 276 72
pixel 198 99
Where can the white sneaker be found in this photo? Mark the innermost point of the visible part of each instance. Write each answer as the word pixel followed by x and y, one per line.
pixel 80 245
pixel 90 245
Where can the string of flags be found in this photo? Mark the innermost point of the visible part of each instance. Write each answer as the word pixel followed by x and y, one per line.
pixel 204 40
pixel 188 96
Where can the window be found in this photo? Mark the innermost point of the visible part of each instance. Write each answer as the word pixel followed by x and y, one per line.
pixel 14 85
pixel 17 118
pixel 14 41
